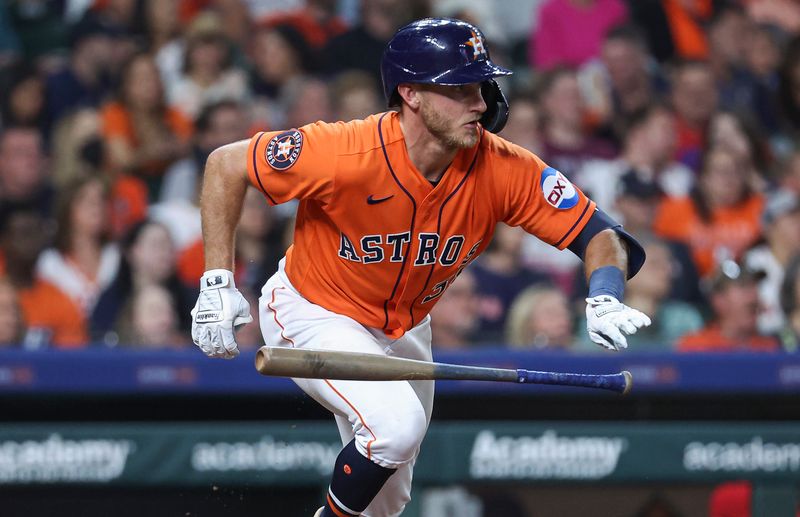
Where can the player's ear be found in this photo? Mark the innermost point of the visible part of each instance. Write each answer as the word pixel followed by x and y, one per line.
pixel 409 94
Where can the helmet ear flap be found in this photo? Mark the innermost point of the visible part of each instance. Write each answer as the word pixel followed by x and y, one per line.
pixel 496 114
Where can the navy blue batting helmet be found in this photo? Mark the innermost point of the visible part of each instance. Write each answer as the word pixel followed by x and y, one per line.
pixel 444 51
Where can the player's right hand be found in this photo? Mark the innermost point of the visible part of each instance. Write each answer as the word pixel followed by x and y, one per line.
pixel 219 311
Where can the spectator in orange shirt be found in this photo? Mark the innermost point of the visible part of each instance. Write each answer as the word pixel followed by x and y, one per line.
pixel 142 135
pixel 735 303
pixel 50 317
pixel 720 219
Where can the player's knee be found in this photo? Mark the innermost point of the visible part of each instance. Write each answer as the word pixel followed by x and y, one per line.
pixel 397 440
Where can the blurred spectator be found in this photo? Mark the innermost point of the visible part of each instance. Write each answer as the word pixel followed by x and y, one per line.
pixel 316 20
pixel 524 123
pixel 150 320
pixel 143 136
pixel 208 75
pixel 784 14
pixel 361 47
pixel 571 32
pixel 738 88
pixel 789 90
pixel 694 98
pixel 23 169
pixel 77 146
pixel 540 317
pixel 500 277
pixel 23 99
pixel 734 301
pixel 649 292
pixel 163 29
pixel 218 124
pixel 12 327
pixel 763 58
pixel 637 203
pixel 281 59
pixel 83 261
pixel 648 149
pixel 720 219
pixel 40 27
pixel 739 137
pixel 50 317
pixel 86 81
pixel 790 305
pixel 675 28
pixel 355 95
pixel 567 145
pixel 236 21
pixel 308 102
pixel 454 318
pixel 623 81
pixel 780 222
pixel 147 258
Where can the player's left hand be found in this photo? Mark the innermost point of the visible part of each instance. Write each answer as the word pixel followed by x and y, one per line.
pixel 608 321
pixel 219 311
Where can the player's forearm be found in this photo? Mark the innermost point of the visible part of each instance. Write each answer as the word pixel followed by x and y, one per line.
pixel 606 249
pixel 224 186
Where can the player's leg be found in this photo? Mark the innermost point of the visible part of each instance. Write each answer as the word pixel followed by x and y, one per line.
pixel 386 419
pixel 415 344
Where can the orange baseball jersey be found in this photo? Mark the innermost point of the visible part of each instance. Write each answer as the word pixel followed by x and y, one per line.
pixel 374 240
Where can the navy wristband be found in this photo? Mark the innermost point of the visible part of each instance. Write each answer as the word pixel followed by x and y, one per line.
pixel 607 280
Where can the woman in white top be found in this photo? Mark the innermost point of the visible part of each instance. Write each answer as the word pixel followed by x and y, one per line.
pixel 83 260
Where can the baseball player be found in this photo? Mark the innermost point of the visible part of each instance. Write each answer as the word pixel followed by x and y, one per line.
pixel 391 209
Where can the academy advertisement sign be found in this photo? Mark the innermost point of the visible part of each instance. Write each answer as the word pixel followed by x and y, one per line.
pixel 266 454
pixel 546 456
pixel 58 460
pixel 755 455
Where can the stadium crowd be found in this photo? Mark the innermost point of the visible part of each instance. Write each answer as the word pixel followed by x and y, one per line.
pixel 681 118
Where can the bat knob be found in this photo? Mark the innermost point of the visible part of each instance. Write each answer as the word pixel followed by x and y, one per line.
pixel 628 381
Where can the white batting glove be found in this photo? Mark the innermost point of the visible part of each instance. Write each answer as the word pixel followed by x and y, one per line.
pixel 219 311
pixel 608 321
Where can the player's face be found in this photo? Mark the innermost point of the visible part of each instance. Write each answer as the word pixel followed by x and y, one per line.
pixel 451 113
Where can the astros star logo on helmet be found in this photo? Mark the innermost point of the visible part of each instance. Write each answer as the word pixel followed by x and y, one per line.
pixel 476 42
pixel 284 149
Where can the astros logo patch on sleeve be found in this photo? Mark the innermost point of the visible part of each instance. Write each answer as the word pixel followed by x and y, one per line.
pixel 284 149
pixel 557 190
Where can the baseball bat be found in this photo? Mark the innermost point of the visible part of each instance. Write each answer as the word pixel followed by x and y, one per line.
pixel 324 364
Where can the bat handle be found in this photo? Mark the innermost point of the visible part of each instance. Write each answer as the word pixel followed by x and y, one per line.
pixel 619 382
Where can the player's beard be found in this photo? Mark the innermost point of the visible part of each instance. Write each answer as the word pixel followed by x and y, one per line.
pixel 441 127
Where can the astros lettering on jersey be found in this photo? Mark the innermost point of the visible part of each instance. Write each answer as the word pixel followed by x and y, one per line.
pixel 376 241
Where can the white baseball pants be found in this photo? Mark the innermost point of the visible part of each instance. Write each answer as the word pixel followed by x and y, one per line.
pixel 388 418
